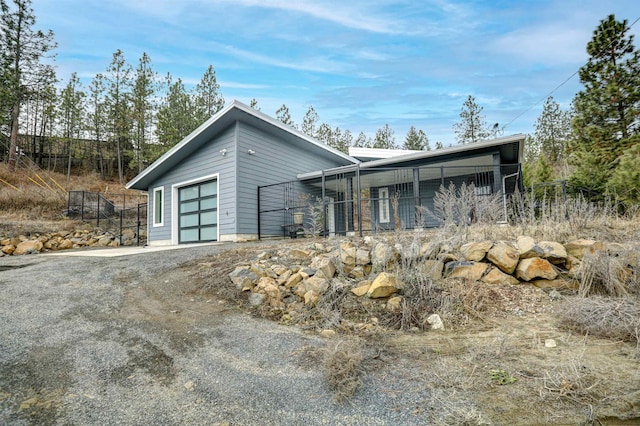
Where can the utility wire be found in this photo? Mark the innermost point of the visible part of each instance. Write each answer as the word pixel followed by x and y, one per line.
pixel 563 83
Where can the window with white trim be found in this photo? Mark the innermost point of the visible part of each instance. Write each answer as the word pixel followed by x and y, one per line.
pixel 383 204
pixel 158 206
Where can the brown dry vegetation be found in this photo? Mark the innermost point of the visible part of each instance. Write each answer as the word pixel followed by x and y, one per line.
pixel 492 364
pixel 34 200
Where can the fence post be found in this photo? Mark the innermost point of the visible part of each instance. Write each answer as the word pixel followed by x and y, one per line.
pixel 82 208
pixel 121 214
pixel 359 199
pixel 98 214
pixel 138 222
pixel 259 233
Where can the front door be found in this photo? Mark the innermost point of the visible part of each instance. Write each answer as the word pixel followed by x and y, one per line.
pixel 198 212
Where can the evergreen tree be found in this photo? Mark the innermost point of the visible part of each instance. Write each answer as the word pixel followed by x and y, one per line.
pixel 97 117
pixel 176 118
pixel 118 81
pixel 416 140
pixel 439 145
pixel 143 103
pixel 254 104
pixel 71 118
pixel 552 130
pixel 208 99
pixel 385 138
pixel 362 141
pixel 607 110
pixel 472 126
pixel 282 114
pixel 625 180
pixel 22 50
pixel 310 121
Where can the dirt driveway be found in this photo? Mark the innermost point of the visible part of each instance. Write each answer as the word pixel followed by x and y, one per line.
pixel 126 340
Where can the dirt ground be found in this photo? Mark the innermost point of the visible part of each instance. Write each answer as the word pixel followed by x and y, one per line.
pixel 164 338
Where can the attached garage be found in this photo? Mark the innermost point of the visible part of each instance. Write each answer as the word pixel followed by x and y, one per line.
pixel 198 212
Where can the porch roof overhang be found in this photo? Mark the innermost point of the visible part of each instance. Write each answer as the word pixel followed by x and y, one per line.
pixel 509 148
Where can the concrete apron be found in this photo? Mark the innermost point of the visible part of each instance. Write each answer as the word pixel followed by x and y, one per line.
pixel 121 251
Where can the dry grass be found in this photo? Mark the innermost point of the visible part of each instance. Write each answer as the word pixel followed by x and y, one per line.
pixel 610 274
pixel 343 368
pixel 36 194
pixel 613 318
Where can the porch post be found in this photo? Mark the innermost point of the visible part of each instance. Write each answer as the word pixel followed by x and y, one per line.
pixel 324 207
pixel 416 196
pixel 349 202
pixel 358 199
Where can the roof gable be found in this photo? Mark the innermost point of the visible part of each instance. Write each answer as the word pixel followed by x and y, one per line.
pixel 235 111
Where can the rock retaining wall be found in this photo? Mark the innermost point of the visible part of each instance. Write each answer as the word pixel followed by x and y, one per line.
pixel 373 268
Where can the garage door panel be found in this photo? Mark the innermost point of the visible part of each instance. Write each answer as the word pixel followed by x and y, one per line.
pixel 198 212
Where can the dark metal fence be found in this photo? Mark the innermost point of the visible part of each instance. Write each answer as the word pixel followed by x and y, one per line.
pixel 371 200
pixel 128 224
pixel 133 225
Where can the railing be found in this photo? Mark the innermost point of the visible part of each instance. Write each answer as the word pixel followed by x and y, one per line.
pixel 372 200
pixel 128 224
pixel 133 225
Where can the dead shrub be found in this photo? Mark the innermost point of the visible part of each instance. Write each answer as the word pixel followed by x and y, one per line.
pixel 601 273
pixel 614 318
pixel 343 368
pixel 571 381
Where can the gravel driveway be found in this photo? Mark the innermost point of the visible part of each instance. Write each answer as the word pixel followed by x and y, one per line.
pixel 122 340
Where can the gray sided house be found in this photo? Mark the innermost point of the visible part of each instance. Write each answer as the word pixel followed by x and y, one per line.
pixel 243 175
pixel 206 187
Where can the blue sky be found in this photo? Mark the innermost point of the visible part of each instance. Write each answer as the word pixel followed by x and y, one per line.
pixel 361 64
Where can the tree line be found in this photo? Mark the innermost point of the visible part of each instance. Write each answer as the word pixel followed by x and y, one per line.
pixel 127 116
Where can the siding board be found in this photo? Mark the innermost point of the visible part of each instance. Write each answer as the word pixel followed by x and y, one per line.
pixel 207 160
pixel 275 161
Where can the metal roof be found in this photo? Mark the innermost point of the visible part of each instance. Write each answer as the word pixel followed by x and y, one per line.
pixel 510 148
pixel 235 111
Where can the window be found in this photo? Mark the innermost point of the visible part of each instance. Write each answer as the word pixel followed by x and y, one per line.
pixel 158 206
pixel 383 204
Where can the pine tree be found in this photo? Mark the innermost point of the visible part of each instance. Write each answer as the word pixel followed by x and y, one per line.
pixel 97 117
pixel 176 118
pixel 552 130
pixel 472 126
pixel 22 50
pixel 362 141
pixel 385 138
pixel 607 111
pixel 416 140
pixel 283 115
pixel 625 181
pixel 310 121
pixel 143 103
pixel 207 97
pixel 71 116
pixel 254 104
pixel 118 80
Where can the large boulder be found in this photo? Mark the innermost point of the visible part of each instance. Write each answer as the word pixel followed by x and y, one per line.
pixel 496 276
pixel 535 267
pixel 243 278
pixel 293 280
pixel 528 248
pixel 382 255
pixel 362 288
pixel 324 266
pixel 505 256
pixel 472 271
pixel 8 249
pixel 578 248
pixel 28 247
pixel 384 285
pixel 363 256
pixel 475 252
pixel 348 254
pixel 554 252
pixel 316 284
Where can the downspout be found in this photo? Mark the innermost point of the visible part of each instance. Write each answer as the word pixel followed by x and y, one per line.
pixel 504 194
